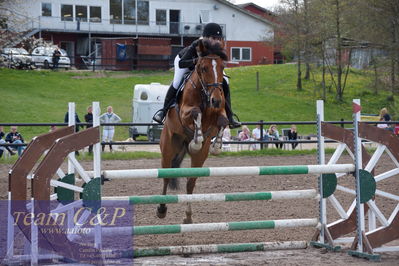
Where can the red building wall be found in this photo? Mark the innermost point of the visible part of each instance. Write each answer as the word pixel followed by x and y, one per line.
pixel 261 53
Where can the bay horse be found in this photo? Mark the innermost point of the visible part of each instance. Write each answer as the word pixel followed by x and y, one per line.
pixel 197 117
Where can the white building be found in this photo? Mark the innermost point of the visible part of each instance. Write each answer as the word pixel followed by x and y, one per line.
pixel 83 27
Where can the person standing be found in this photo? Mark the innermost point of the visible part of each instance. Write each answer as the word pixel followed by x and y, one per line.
pixel 89 119
pixel 109 131
pixel 56 58
pixel 15 137
pixel 77 120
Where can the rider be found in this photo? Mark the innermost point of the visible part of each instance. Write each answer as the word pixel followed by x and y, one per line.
pixel 184 62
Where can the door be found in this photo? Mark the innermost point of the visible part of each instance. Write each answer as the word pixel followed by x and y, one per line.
pixel 69 47
pixel 174 21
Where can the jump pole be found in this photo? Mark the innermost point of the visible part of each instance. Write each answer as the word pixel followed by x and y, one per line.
pixel 228 171
pixel 241 196
pixel 208 227
pixel 213 248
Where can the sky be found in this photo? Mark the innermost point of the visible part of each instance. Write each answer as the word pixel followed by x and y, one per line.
pixel 268 4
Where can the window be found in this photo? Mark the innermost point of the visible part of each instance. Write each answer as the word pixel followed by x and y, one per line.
pixel 115 11
pixel 143 12
pixel 95 14
pixel 81 13
pixel 204 16
pixel 240 54
pixel 129 11
pixel 66 12
pixel 46 9
pixel 160 16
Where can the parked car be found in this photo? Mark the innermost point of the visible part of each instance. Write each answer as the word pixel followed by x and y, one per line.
pixel 43 57
pixel 16 57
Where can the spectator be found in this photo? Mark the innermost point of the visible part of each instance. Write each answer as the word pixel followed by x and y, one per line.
pixel 384 116
pixel 384 126
pixel 226 134
pixel 245 134
pixel 53 128
pixel 275 136
pixel 293 136
pixel 256 133
pixel 2 141
pixel 109 131
pixel 89 119
pixel 56 58
pixel 15 138
pixel 77 120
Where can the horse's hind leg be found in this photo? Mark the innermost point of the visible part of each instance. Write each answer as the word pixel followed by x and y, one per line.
pixel 190 188
pixel 172 156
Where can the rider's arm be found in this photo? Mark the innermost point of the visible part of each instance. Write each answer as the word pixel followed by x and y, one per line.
pixel 190 56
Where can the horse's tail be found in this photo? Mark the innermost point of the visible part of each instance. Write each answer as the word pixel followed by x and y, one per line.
pixel 176 162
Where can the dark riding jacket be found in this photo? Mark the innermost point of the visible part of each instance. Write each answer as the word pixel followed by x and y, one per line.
pixel 188 56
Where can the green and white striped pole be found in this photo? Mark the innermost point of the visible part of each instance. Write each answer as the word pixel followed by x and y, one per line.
pixel 213 248
pixel 229 171
pixel 209 227
pixel 239 196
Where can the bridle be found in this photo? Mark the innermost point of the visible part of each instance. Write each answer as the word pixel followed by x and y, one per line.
pixel 209 88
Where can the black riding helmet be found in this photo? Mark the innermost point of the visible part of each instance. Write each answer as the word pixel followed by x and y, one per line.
pixel 212 30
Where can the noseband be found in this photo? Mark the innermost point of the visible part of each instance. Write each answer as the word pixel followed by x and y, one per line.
pixel 209 88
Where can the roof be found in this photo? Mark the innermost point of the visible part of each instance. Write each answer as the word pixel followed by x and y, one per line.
pixel 242 10
pixel 258 7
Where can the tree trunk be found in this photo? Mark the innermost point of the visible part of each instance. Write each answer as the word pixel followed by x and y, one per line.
pixel 299 76
pixel 307 31
pixel 323 76
pixel 339 95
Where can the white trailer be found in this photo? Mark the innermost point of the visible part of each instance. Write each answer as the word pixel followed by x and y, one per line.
pixel 147 99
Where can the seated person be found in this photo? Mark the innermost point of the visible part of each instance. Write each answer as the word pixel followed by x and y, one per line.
pixel 2 141
pixel 226 134
pixel 274 135
pixel 293 135
pixel 245 134
pixel 256 133
pixel 15 138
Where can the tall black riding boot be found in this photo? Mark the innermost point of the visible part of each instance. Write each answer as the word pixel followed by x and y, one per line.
pixel 169 99
pixel 226 90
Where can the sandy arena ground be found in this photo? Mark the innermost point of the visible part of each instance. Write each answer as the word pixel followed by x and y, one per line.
pixel 238 211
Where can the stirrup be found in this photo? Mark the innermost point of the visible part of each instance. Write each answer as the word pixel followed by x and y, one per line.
pixel 233 123
pixel 159 116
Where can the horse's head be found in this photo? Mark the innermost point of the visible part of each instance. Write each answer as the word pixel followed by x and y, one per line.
pixel 210 65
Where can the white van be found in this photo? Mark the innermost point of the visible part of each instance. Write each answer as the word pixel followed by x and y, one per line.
pixel 43 57
pixel 147 99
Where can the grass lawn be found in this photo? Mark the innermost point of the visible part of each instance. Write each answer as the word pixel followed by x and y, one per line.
pixel 43 96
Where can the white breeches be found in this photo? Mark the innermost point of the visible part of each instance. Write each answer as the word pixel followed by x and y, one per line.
pixel 179 73
pixel 108 134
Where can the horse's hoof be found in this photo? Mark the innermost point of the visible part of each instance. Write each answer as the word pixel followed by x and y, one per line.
pixel 194 147
pixel 215 151
pixel 187 221
pixel 161 211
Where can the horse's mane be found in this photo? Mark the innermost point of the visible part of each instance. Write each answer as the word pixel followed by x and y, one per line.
pixel 214 48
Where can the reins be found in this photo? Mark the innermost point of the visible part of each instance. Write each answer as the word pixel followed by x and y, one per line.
pixel 205 91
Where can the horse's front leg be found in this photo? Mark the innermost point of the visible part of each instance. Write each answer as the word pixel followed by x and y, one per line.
pixel 195 144
pixel 216 146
